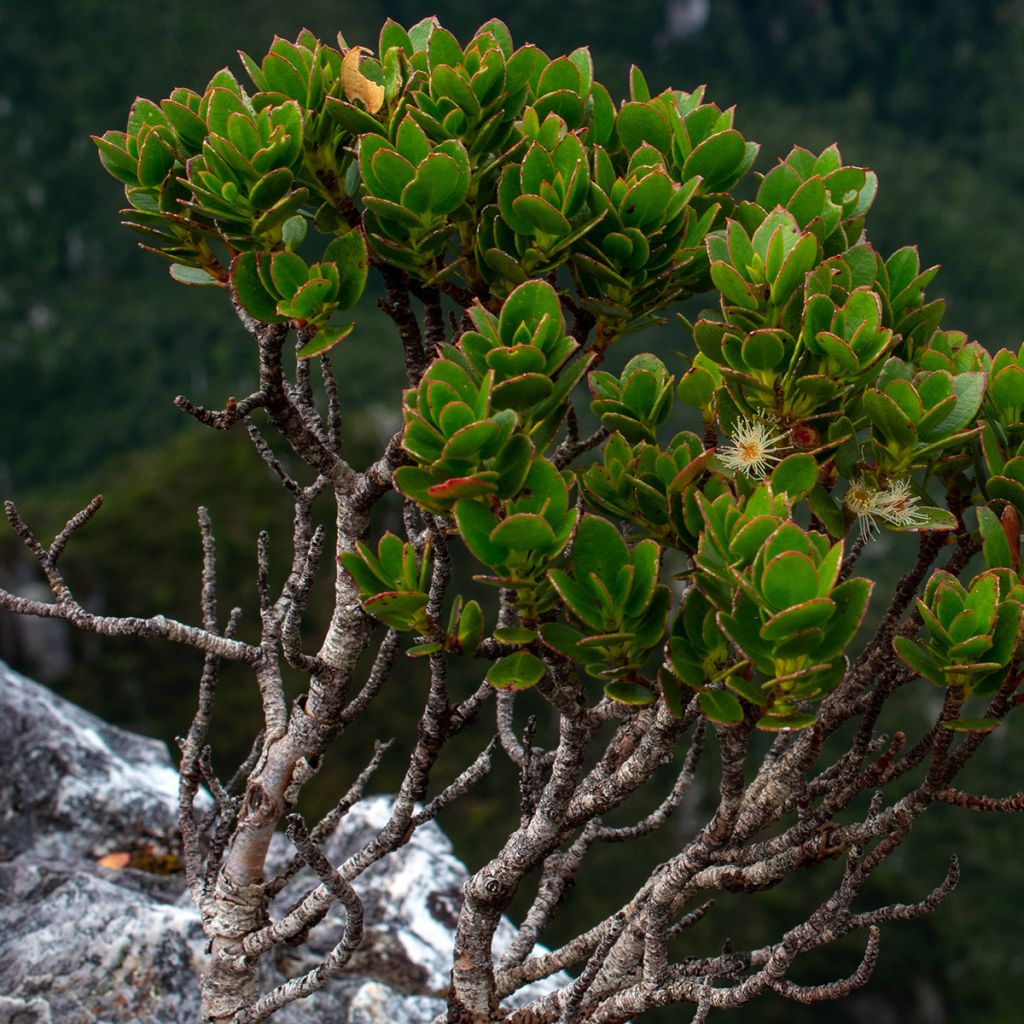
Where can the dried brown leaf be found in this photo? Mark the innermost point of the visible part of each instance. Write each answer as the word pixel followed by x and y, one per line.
pixel 356 85
pixel 115 861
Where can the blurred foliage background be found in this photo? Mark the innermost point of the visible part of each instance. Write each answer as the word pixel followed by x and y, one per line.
pixel 95 340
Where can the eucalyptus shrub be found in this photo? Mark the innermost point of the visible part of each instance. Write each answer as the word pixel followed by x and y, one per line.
pixel 664 589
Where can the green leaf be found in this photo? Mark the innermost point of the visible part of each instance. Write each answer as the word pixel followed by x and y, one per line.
pixel 762 350
pixel 471 628
pixel 448 84
pixel 518 671
pixel 796 475
pixel 515 635
pixel 155 159
pixel 348 251
pixel 324 340
pixel 578 599
pixel 529 304
pixel 563 639
pixel 1006 634
pixel 980 725
pixel 671 692
pixel 721 707
pixel 697 388
pixel 643 206
pixel 115 159
pixel 790 720
pixel 640 122
pixel 995 546
pixel 436 188
pixel 443 48
pixel 732 287
pixel 794 268
pixel 191 275
pixel 823 505
pixel 789 579
pixel 915 657
pixel 392 34
pixel 890 419
pixel 815 612
pixel 351 118
pixel 541 214
pixel 716 159
pixel 969 389
pixel 499 30
pixel 524 532
pixel 927 517
pixel 367 575
pixel 851 600
pixel 396 609
pixel 468 442
pixel 778 187
pixel 638 89
pixel 250 291
pixel 599 549
pixel 293 231
pixel 1007 387
pixel 629 693
pixel 308 302
pixel 750 691
pixel 476 523
pixel 288 272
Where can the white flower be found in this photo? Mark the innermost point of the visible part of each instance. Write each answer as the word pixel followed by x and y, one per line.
pixel 894 504
pixel 898 506
pixel 752 448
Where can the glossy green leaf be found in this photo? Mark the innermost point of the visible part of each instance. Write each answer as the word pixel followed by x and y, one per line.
pixel 324 340
pixel 980 725
pixel 720 706
pixel 815 612
pixel 995 545
pixel 517 671
pixel 396 609
pixel 789 579
pixel 716 159
pixel 515 635
pixel 476 523
pixel 524 532
pixel 629 693
pixel 348 251
pixel 563 639
pixel 1007 387
pixel 191 275
pixel 915 657
pixel 796 475
pixel 288 272
pixel 250 291
pixel 471 628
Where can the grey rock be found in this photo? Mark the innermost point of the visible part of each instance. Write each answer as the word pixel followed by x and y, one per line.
pixel 97 945
pixel 75 787
pixel 24 1011
pixel 82 944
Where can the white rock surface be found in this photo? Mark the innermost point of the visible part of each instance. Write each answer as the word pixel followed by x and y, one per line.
pixel 81 944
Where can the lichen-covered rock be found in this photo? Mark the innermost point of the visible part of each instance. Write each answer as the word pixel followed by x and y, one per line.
pixel 84 944
pixel 96 945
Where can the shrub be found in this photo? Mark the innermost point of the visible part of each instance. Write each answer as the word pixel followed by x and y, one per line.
pixel 665 590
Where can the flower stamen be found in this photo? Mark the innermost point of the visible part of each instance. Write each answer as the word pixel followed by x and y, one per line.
pixel 895 504
pixel 752 448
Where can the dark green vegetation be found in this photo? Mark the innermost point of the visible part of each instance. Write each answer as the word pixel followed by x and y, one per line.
pixel 927 102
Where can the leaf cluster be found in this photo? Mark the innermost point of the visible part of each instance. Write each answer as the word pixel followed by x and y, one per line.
pixel 831 396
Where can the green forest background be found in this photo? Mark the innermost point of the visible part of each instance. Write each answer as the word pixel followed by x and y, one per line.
pixel 95 340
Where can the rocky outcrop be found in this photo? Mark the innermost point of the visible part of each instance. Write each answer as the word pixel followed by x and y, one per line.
pixel 80 942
